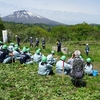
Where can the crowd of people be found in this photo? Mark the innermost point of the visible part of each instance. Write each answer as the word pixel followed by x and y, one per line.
pixel 13 53
pixel 36 42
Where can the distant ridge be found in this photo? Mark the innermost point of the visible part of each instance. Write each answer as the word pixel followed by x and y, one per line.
pixel 26 17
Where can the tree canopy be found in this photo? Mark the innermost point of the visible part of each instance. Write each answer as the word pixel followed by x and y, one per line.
pixel 78 32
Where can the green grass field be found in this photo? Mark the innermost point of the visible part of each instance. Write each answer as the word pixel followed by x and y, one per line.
pixel 22 82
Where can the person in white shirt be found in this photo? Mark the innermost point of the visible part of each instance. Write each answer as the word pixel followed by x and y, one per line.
pixel 88 67
pixel 50 58
pixel 37 56
pixel 62 66
pixel 45 68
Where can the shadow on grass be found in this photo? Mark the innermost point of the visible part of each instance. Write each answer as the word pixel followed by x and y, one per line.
pixel 79 84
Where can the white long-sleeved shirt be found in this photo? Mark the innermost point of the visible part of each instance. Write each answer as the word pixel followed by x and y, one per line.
pixel 88 69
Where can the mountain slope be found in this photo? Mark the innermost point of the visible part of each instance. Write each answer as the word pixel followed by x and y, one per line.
pixel 27 17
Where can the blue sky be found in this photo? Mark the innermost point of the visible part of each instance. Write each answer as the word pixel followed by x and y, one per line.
pixel 64 11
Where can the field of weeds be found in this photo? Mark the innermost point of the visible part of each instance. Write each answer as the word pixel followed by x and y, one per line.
pixel 22 82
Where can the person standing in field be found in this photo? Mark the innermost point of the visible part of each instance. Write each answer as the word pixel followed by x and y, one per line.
pixel 17 40
pixel 31 42
pixel 37 42
pixel 58 46
pixel 87 49
pixel 43 43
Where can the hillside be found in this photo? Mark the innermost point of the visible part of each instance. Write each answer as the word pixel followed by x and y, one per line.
pixel 26 17
pixel 22 82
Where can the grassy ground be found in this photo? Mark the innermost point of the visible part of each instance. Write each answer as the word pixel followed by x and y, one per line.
pixel 21 82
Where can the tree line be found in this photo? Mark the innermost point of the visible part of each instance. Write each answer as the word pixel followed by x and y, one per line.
pixel 78 32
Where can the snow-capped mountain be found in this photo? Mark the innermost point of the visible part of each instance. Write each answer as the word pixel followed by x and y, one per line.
pixel 27 17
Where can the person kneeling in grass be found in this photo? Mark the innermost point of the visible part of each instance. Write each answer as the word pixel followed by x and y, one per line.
pixel 24 58
pixel 5 56
pixel 88 67
pixel 37 57
pixel 62 66
pixel 45 68
pixel 50 58
pixel 16 53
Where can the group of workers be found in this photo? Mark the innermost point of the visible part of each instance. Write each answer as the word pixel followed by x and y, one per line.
pixel 45 63
pixel 31 42
pixel 37 42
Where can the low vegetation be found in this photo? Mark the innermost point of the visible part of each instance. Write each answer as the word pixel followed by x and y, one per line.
pixel 22 82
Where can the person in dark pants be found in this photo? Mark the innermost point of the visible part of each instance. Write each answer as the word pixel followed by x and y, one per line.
pixel 58 46
pixel 87 49
pixel 24 58
pixel 43 43
pixel 18 40
pixel 31 42
pixel 37 42
pixel 5 57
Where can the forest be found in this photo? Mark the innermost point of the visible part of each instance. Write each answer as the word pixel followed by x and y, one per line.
pixel 78 32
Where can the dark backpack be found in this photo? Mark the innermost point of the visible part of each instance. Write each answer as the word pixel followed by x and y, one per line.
pixel 77 70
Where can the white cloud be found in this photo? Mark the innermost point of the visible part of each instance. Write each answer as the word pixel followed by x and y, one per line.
pixel 58 10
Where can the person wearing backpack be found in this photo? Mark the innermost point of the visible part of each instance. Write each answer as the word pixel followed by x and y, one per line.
pixel 77 72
